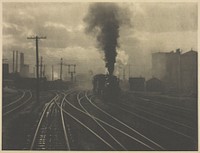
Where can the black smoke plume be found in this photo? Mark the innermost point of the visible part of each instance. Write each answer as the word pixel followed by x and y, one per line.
pixel 104 20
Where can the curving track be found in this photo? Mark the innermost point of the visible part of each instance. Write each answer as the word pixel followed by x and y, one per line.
pixel 87 124
pixel 18 103
pixel 8 100
pixel 171 133
pixel 49 133
pixel 77 120
pixel 111 131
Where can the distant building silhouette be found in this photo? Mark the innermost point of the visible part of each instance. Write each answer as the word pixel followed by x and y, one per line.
pixel 166 67
pixel 154 85
pixel 137 84
pixel 177 71
pixel 24 70
pixel 189 71
pixel 5 70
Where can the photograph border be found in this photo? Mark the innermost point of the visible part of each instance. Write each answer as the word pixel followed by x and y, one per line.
pixel 85 1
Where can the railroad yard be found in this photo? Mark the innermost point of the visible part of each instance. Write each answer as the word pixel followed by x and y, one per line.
pixel 100 76
pixel 76 119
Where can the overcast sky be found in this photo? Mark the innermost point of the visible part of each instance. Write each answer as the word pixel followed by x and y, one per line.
pixel 154 27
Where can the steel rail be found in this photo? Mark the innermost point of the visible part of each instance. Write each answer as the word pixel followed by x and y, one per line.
pixel 15 101
pixel 63 123
pixel 161 125
pixel 41 119
pixel 156 144
pixel 164 104
pixel 133 138
pixel 85 126
pixel 27 100
pixel 169 120
pixel 79 101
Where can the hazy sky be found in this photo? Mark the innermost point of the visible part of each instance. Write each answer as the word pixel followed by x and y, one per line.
pixel 154 27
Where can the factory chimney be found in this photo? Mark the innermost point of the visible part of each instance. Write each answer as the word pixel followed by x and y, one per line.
pixel 21 62
pixel 16 61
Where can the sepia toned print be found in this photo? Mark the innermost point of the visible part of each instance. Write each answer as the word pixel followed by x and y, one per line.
pixel 99 76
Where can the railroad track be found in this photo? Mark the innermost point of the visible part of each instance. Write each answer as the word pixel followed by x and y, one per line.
pixel 49 133
pixel 180 115
pixel 72 120
pixel 175 109
pixel 112 132
pixel 129 130
pixel 103 128
pixel 165 104
pixel 183 133
pixel 176 117
pixel 80 118
pixel 7 100
pixel 164 122
pixel 18 103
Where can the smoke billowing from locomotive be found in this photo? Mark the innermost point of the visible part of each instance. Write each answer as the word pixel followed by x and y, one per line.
pixel 104 20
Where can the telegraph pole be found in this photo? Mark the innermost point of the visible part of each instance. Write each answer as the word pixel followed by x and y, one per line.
pixel 34 71
pixel 71 72
pixel 44 71
pixel 37 66
pixel 61 63
pixel 41 67
pixel 74 72
pixel 129 70
pixel 52 73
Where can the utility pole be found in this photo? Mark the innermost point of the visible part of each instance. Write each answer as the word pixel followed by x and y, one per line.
pixel 124 73
pixel 129 70
pixel 41 67
pixel 74 72
pixel 74 68
pixel 68 68
pixel 34 71
pixel 37 66
pixel 44 71
pixel 71 72
pixel 52 73
pixel 16 61
pixel 13 61
pixel 61 63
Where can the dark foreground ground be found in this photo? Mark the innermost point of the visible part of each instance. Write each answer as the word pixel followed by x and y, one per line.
pixel 79 120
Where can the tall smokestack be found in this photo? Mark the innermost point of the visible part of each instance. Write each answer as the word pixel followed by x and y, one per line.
pixel 13 61
pixel 104 20
pixel 21 61
pixel 16 61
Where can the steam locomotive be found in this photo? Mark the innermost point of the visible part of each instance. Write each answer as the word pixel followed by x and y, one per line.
pixel 106 86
